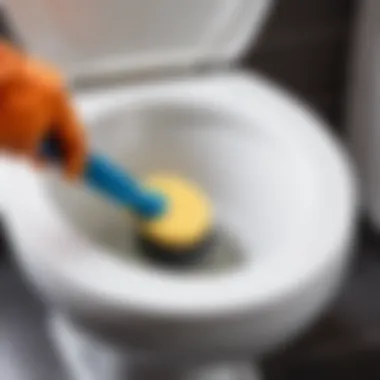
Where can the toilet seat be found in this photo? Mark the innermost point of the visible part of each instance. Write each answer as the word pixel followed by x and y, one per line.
pixel 75 280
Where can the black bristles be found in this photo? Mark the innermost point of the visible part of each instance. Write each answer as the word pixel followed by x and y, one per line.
pixel 175 257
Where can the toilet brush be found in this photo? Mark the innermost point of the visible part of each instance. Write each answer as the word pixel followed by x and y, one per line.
pixel 173 216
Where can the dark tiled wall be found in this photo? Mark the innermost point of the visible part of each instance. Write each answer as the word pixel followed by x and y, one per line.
pixel 305 47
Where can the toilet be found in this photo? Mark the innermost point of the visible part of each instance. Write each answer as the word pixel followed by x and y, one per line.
pixel 158 87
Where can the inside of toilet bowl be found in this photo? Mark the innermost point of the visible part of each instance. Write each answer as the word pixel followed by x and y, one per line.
pixel 259 200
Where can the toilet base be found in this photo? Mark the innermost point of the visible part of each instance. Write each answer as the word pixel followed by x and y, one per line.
pixel 86 359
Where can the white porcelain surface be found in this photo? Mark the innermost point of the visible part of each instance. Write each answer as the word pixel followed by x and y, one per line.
pixel 284 197
pixel 282 190
pixel 96 38
pixel 87 359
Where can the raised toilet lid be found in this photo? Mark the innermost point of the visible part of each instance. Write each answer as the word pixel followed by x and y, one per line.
pixel 96 38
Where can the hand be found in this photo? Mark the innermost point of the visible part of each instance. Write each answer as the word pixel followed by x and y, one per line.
pixel 33 104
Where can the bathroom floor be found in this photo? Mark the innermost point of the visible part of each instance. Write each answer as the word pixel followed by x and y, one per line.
pixel 344 345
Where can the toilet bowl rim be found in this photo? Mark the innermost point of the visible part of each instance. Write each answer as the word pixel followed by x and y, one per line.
pixel 340 156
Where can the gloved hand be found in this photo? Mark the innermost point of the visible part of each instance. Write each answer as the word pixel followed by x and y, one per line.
pixel 34 103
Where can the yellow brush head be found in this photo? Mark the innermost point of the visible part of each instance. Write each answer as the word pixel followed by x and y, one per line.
pixel 188 219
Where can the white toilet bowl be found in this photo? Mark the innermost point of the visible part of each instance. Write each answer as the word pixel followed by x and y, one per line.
pixel 284 198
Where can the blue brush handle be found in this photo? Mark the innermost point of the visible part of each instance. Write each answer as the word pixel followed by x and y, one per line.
pixel 112 181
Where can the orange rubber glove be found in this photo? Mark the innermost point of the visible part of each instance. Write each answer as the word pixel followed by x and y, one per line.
pixel 34 102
